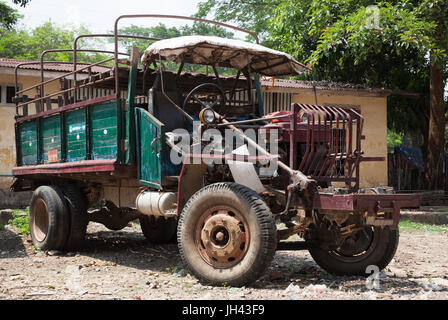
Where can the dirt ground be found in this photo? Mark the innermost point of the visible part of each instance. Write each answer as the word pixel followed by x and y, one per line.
pixel 123 265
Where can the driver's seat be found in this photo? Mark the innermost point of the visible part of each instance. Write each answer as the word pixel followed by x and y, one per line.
pixel 161 107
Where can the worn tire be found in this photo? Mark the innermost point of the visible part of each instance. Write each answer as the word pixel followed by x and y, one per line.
pixel 252 212
pixel 380 252
pixel 48 218
pixel 76 206
pixel 158 230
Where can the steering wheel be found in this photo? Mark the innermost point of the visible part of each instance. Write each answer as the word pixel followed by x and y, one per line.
pixel 220 101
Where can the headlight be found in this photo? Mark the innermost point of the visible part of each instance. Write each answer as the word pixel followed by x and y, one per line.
pixel 207 116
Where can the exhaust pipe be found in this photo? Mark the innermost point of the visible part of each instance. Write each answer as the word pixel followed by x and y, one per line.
pixel 159 204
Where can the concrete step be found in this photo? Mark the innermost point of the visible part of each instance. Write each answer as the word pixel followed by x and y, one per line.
pixel 432 215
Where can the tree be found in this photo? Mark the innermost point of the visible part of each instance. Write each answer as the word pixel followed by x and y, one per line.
pixel 24 44
pixel 405 49
pixel 249 14
pixel 8 17
pixel 22 3
pixel 161 31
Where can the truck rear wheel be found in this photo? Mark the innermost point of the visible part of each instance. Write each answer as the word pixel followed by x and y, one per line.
pixel 227 235
pixel 76 206
pixel 159 230
pixel 48 218
pixel 370 246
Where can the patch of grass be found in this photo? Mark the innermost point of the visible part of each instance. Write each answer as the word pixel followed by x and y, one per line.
pixel 20 221
pixel 173 269
pixel 2 227
pixel 411 226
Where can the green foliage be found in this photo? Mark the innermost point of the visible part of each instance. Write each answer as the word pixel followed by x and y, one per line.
pixel 8 17
pixel 249 14
pixel 394 139
pixel 161 31
pixel 410 226
pixel 20 222
pixel 24 44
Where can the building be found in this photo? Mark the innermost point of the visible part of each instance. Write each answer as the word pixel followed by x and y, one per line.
pixel 29 75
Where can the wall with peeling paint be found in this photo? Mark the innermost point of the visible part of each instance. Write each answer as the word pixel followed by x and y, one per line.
pixel 374 111
pixel 373 107
pixel 7 112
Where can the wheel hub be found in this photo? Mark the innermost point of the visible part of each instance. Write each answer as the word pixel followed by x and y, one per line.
pixel 224 239
pixel 40 221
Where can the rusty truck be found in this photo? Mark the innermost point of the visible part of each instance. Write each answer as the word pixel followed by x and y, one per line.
pixel 142 135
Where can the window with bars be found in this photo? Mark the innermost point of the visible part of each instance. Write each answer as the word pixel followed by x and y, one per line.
pixel 7 93
pixel 276 101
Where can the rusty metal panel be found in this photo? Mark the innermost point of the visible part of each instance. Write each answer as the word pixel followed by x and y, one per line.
pixel 332 143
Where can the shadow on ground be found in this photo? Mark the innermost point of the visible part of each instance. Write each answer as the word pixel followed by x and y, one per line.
pixel 131 249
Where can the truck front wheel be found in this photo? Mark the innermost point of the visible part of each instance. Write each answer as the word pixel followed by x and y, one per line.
pixel 371 246
pixel 226 235
pixel 48 218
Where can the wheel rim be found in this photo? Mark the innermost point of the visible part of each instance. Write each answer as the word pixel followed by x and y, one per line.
pixel 358 246
pixel 222 237
pixel 40 220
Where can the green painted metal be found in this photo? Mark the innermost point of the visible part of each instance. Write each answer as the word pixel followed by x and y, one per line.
pixel 150 136
pixel 104 131
pixel 260 110
pixel 89 132
pixel 75 126
pixel 28 142
pixel 51 139
pixel 129 114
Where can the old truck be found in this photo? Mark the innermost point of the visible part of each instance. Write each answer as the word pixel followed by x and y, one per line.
pixel 176 137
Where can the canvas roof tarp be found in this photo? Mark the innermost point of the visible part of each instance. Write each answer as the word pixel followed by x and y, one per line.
pixel 209 50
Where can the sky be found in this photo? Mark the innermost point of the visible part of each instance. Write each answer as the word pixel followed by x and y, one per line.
pixel 99 15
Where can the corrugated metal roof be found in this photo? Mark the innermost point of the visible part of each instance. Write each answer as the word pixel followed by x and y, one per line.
pixel 335 86
pixel 53 66
pixel 319 85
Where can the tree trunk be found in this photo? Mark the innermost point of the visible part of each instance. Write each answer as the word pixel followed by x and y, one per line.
pixel 436 136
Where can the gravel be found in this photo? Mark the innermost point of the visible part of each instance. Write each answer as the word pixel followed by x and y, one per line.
pixel 123 265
